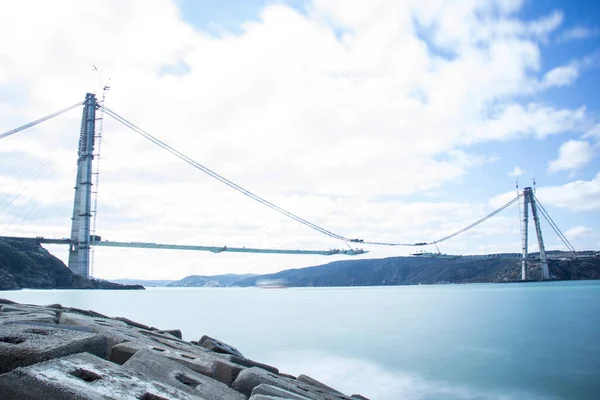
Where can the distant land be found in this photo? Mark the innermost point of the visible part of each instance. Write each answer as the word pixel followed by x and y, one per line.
pixel 418 270
pixel 411 271
pixel 144 282
pixel 25 264
pixel 29 265
pixel 211 281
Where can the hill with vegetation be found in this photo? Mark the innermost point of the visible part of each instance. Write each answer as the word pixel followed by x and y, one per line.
pixel 211 281
pixel 422 270
pixel 25 264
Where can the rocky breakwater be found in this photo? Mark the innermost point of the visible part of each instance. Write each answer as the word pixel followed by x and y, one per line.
pixel 55 352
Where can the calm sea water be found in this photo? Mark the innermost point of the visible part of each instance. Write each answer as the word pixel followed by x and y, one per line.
pixel 504 341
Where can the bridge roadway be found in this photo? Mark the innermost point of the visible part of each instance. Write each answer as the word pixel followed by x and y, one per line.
pixel 516 256
pixel 212 249
pixel 221 249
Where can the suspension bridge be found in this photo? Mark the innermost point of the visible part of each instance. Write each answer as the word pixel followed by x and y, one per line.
pixel 83 233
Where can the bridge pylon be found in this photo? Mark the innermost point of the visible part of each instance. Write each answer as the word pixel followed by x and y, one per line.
pixel 529 200
pixel 79 250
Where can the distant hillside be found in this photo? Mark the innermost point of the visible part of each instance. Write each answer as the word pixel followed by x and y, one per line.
pixel 25 264
pixel 417 270
pixel 144 282
pixel 211 281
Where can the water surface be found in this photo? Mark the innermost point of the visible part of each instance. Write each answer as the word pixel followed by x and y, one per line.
pixel 482 341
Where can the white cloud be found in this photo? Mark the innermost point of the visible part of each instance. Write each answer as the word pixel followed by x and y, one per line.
pixel 321 113
pixel 565 75
pixel 534 120
pixel 510 6
pixel 517 171
pixel 561 76
pixel 545 26
pixel 593 132
pixel 573 154
pixel 578 232
pixel 577 196
pixel 578 33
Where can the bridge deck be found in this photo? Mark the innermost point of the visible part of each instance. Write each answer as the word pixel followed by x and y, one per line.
pixel 212 249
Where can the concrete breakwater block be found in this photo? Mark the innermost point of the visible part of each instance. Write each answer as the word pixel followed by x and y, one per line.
pixel 18 308
pixel 218 346
pixel 231 354
pixel 72 318
pixel 314 382
pixel 170 335
pixel 223 367
pixel 142 339
pixel 121 353
pixel 200 362
pixel 56 352
pixel 134 324
pixel 250 378
pixel 114 331
pixel 246 362
pixel 89 313
pixel 161 369
pixel 274 391
pixel 83 376
pixel 23 343
pixel 28 317
pixel 21 312
pixel 173 332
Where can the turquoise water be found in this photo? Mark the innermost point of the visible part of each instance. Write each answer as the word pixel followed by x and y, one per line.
pixel 503 341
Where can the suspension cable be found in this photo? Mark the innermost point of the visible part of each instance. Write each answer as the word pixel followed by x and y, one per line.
pixel 34 123
pixel 26 209
pixel 220 178
pixel 474 224
pixel 490 215
pixel 556 229
pixel 259 199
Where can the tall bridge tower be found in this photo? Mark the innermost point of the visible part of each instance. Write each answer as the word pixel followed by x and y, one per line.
pixel 79 251
pixel 529 199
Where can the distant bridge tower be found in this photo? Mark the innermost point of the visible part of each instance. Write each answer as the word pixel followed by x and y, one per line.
pixel 79 251
pixel 529 199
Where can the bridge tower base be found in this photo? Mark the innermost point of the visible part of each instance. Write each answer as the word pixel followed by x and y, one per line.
pixel 79 251
pixel 529 200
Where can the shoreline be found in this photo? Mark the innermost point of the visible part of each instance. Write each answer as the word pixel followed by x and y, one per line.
pixel 529 281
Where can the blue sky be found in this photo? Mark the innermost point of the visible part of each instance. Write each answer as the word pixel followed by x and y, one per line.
pixel 386 120
pixel 530 154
